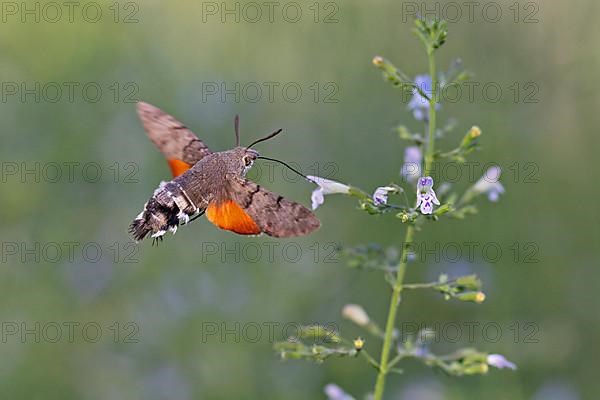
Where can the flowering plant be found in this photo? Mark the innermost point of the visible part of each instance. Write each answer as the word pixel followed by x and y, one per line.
pixel 428 207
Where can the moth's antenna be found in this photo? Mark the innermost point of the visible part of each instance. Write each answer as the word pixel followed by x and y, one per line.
pixel 272 135
pixel 286 165
pixel 236 125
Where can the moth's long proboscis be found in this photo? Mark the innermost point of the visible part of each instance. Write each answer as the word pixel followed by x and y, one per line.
pixel 286 165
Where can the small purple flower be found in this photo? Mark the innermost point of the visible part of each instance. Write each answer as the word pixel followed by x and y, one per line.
pixel 334 392
pixel 380 196
pixel 557 389
pixel 426 197
pixel 490 184
pixel 411 169
pixel 419 105
pixel 421 351
pixel 499 361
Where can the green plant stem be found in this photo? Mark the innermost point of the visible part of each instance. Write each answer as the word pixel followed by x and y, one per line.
pixel 391 319
pixel 432 115
pixel 412 286
pixel 396 360
pixel 384 367
pixel 370 359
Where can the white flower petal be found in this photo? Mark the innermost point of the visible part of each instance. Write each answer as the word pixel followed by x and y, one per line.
pixel 326 186
pixel 426 208
pixel 426 204
pixel 434 197
pixel 356 314
pixel 329 186
pixel 317 198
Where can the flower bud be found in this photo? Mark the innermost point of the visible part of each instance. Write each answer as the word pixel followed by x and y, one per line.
pixel 356 314
pixel 359 343
pixel 391 73
pixel 475 297
pixel 318 332
pixel 404 217
pixel 480 297
pixel 469 139
pixel 442 210
pixel 476 369
pixel 469 282
pixel 474 132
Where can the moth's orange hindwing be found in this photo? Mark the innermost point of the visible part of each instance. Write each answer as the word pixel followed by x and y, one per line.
pixel 178 167
pixel 230 216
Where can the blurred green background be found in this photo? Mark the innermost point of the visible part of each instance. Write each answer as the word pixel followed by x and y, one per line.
pixel 156 307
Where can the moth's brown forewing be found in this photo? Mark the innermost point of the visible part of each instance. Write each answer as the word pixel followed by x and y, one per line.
pixel 274 214
pixel 180 146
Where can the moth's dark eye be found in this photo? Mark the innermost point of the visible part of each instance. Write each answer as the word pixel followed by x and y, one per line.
pixel 247 161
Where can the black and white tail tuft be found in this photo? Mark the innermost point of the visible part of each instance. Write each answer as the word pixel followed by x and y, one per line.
pixel 165 210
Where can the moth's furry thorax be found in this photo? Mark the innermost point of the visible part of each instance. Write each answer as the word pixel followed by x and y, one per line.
pixel 236 161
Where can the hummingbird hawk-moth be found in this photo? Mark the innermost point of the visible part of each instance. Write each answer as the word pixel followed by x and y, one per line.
pixel 214 184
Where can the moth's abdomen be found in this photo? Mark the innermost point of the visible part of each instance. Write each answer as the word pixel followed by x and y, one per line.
pixel 165 210
pixel 156 219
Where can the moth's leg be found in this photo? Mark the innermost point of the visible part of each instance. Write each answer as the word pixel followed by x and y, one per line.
pixel 197 216
pixel 189 209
